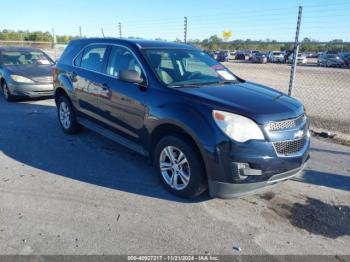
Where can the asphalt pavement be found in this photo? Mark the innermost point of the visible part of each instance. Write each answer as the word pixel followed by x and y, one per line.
pixel 83 194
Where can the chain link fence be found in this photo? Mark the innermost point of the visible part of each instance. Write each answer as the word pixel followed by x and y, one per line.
pixel 321 84
pixel 323 89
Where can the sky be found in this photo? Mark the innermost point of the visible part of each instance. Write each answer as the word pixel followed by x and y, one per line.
pixel 322 20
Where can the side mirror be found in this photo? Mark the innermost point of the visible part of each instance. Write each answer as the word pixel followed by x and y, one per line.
pixel 130 76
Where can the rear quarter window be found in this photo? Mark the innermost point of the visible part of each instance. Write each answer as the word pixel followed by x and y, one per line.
pixel 69 53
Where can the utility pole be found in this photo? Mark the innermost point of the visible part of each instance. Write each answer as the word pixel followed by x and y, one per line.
pixel 80 33
pixel 54 40
pixel 120 29
pixel 295 53
pixel 103 33
pixel 185 29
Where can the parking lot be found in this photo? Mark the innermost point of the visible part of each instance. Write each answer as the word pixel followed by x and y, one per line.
pixel 83 194
pixel 325 92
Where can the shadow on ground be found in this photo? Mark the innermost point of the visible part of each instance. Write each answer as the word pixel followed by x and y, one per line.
pixel 325 179
pixel 31 135
pixel 310 214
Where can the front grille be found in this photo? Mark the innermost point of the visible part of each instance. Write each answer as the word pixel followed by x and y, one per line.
pixel 289 147
pixel 286 124
pixel 43 79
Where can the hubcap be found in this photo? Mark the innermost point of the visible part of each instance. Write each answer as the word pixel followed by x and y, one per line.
pixel 64 115
pixel 174 167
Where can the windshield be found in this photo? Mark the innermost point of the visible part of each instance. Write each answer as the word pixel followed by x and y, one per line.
pixel 25 58
pixel 178 67
pixel 276 53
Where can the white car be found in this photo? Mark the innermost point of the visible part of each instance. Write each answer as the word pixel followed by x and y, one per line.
pixel 300 60
pixel 276 57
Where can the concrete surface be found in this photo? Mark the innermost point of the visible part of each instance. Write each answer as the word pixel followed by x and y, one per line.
pixel 83 194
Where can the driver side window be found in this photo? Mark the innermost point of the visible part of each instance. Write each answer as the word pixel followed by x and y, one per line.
pixel 122 59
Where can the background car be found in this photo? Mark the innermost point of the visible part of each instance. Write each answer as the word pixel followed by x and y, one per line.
pixel 311 54
pixel 346 58
pixel 259 58
pixel 223 56
pixel 25 72
pixel 251 53
pixel 276 57
pixel 330 60
pixel 240 55
pixel 301 59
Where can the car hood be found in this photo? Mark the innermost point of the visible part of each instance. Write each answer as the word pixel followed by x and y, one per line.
pixel 30 71
pixel 255 101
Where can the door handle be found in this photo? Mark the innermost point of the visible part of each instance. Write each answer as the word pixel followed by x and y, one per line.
pixel 105 86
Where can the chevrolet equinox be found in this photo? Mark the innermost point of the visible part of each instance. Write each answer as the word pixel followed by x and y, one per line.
pixel 200 125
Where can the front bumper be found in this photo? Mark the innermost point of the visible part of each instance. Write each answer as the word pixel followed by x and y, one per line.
pixel 31 90
pixel 231 190
pixel 237 169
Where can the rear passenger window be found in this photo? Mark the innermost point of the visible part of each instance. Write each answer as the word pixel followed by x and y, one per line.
pixel 93 58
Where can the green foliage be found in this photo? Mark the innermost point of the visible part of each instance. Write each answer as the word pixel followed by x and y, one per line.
pixel 39 36
pixel 215 43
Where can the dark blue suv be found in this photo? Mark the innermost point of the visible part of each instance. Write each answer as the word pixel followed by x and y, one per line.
pixel 199 123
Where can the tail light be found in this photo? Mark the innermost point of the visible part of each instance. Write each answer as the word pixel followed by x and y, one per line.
pixel 54 74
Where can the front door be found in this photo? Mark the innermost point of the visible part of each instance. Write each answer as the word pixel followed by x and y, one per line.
pixel 122 103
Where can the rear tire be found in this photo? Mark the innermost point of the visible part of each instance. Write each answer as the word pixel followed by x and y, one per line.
pixel 6 92
pixel 180 166
pixel 66 116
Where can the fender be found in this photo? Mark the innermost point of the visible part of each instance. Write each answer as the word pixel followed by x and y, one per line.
pixel 65 83
pixel 193 121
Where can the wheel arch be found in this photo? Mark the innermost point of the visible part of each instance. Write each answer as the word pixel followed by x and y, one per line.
pixel 175 129
pixel 59 91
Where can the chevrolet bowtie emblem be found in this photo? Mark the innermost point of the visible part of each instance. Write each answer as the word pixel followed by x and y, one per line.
pixel 299 134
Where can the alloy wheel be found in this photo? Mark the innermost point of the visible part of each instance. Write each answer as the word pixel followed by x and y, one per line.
pixel 174 167
pixel 64 112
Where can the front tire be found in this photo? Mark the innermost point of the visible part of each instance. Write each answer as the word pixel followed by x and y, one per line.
pixel 6 92
pixel 67 116
pixel 180 166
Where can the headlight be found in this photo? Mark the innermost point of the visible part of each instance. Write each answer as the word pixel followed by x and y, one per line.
pixel 21 79
pixel 239 128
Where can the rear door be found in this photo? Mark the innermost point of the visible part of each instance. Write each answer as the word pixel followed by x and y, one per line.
pixel 88 78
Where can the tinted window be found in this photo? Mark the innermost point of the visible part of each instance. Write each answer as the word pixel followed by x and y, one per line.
pixel 122 59
pixel 25 58
pixel 189 67
pixel 93 58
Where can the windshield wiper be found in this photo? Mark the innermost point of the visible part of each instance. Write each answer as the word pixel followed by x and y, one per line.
pixel 224 82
